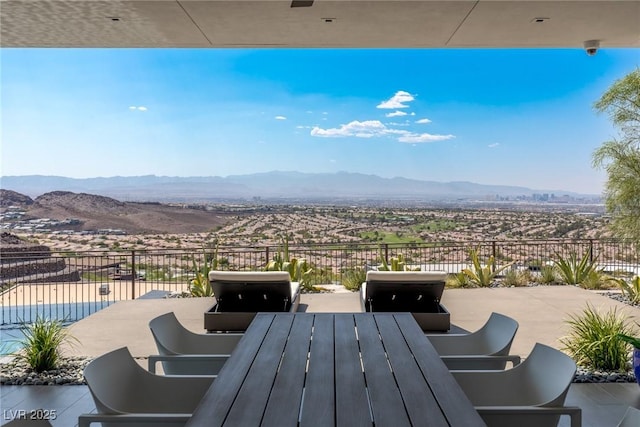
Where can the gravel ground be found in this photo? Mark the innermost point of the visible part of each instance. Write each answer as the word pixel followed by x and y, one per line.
pixel 70 373
pixel 17 372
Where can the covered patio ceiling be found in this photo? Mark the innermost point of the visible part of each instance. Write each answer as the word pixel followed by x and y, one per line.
pixel 319 23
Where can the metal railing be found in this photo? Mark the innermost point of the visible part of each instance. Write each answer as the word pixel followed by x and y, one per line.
pixel 70 286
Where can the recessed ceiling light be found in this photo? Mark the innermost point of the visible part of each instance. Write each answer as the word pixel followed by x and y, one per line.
pixel 539 20
pixel 301 3
pixel 328 20
pixel 113 18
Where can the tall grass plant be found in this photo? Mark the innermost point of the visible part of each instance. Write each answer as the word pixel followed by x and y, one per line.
pixel 594 339
pixel 41 344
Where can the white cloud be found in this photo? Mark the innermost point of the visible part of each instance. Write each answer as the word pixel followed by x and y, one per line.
pixel 422 121
pixel 324 112
pixel 280 118
pixel 412 114
pixel 135 108
pixel 375 128
pixel 397 101
pixel 423 137
pixel 494 145
pixel 332 161
pixel 365 129
pixel 396 114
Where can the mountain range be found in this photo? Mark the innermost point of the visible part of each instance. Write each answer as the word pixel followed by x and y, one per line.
pixel 268 185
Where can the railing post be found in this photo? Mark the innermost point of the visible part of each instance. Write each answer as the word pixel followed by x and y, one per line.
pixel 591 251
pixel 133 274
pixel 266 254
pixel 386 253
pixel 493 254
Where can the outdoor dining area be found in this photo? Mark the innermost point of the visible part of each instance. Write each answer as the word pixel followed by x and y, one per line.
pixel 286 366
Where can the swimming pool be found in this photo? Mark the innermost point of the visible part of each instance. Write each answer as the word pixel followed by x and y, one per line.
pixel 13 317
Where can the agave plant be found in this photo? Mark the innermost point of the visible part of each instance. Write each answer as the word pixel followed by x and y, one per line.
pixel 573 271
pixel 630 289
pixel 483 275
pixel 200 285
pixel 298 268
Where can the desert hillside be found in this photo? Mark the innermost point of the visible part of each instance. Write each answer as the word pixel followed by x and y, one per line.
pixel 99 212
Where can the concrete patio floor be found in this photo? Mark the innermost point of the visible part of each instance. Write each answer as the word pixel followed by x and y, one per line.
pixel 540 311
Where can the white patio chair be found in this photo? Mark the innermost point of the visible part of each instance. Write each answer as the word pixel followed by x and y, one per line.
pixel 486 348
pixel 183 352
pixel 631 418
pixel 531 394
pixel 127 395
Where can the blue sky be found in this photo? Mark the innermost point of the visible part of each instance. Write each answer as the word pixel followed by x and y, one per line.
pixel 491 116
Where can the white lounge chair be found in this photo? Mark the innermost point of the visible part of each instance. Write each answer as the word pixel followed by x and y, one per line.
pixel 417 292
pixel 240 295
pixel 531 394
pixel 127 395
pixel 486 348
pixel 183 352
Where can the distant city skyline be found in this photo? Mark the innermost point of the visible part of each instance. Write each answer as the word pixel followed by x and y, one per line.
pixel 519 117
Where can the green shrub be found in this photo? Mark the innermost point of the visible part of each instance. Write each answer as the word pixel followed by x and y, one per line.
pixel 483 275
pixel 514 278
pixel 458 280
pixel 40 347
pixel 547 275
pixel 353 279
pixel 594 340
pixel 595 280
pixel 318 277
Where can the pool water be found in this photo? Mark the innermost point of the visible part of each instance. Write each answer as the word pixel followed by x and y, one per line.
pixel 9 340
pixel 13 317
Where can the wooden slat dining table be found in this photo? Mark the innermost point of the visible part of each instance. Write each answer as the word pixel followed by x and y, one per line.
pixel 325 369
